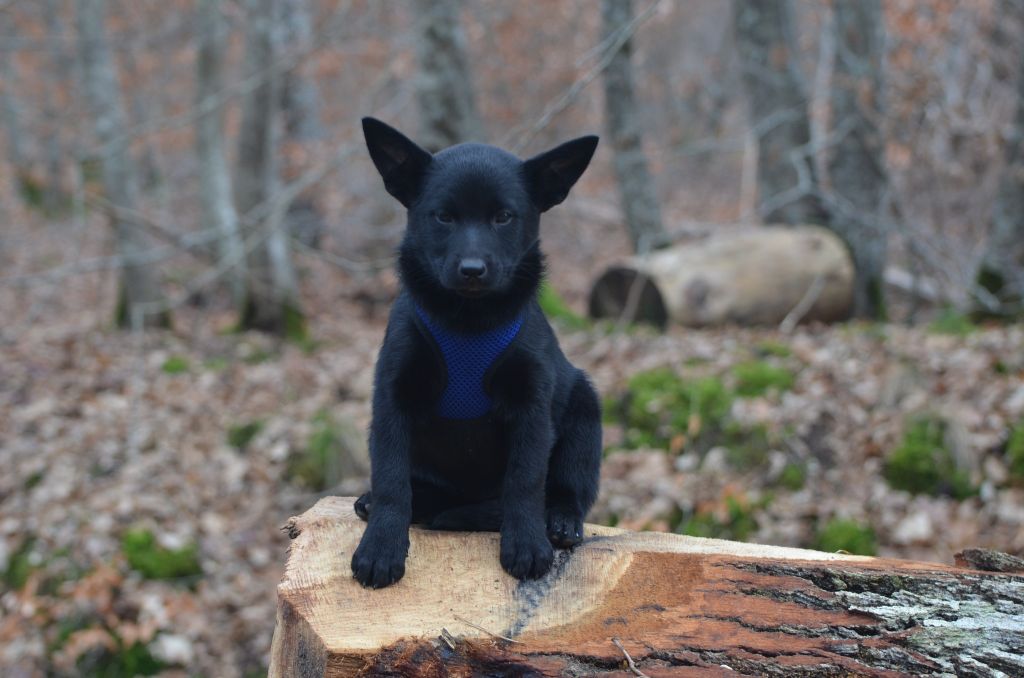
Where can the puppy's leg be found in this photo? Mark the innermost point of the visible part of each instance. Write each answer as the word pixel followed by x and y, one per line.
pixel 427 501
pixel 379 560
pixel 526 552
pixel 575 466
pixel 482 517
pixel 363 505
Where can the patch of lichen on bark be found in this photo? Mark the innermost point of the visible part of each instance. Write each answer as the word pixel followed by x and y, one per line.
pixel 935 622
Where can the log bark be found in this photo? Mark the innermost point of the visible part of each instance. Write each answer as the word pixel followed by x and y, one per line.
pixel 679 606
pixel 750 277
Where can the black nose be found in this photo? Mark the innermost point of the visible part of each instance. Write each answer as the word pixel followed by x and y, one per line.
pixel 472 268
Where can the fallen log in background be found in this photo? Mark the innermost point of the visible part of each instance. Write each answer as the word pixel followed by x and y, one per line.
pixel 679 606
pixel 752 276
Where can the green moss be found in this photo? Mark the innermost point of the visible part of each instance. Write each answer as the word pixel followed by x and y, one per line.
pixel 91 168
pixel 556 309
pixel 286 321
pixel 59 567
pixel 738 524
pixel 793 476
pixel 126 661
pixel 295 328
pixel 611 409
pixel 703 524
pixel 216 364
pixel 257 356
pixel 876 298
pixel 121 661
pixel 773 348
pixel 33 191
pixel 317 467
pixel 123 320
pixel 34 479
pixel 176 364
pixel 20 566
pixel 65 627
pixel 38 195
pixel 240 435
pixel 991 280
pixel 841 534
pixel 757 377
pixel 952 322
pixel 1015 452
pixel 748 446
pixel 153 561
pixel 659 405
pixel 872 330
pixel 923 464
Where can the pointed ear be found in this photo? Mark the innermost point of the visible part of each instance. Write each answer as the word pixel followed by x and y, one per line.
pixel 401 163
pixel 552 173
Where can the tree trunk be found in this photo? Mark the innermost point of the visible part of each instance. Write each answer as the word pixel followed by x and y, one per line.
pixel 757 276
pixel 303 129
pixel 17 154
pixel 778 104
pixel 271 302
pixel 140 300
pixel 55 100
pixel 636 189
pixel 1002 271
pixel 679 606
pixel 856 166
pixel 219 213
pixel 444 87
pixel 139 112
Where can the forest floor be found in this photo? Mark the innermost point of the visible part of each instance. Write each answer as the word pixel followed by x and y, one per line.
pixel 146 476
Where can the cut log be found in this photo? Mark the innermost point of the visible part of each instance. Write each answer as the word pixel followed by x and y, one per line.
pixel 678 606
pixel 752 276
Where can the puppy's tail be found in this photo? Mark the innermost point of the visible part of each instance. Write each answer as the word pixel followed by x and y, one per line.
pixel 482 517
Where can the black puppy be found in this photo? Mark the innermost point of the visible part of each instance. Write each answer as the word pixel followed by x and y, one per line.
pixel 479 421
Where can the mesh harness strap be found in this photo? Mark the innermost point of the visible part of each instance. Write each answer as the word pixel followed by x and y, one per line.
pixel 467 358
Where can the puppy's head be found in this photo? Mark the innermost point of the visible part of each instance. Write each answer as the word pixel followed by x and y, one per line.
pixel 473 210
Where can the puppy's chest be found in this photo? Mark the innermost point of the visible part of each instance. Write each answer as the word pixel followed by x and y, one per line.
pixel 466 363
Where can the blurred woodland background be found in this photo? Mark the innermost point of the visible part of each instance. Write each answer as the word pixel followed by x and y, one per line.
pixel 196 266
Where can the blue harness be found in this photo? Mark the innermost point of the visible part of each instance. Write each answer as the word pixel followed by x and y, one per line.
pixel 467 357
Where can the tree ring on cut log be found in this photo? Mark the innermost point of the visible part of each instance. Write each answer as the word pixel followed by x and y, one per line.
pixel 614 296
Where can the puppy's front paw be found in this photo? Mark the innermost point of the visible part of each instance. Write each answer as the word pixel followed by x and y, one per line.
pixel 362 505
pixel 379 562
pixel 526 557
pixel 565 530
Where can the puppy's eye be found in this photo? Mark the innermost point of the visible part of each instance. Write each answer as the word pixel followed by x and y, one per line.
pixel 445 218
pixel 502 218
